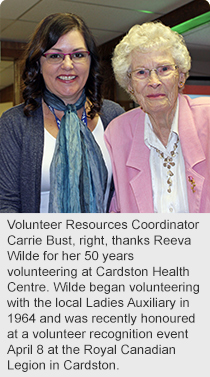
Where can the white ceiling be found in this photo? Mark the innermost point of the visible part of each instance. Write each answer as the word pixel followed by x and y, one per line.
pixel 107 19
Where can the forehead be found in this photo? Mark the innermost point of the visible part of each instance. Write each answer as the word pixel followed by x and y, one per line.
pixel 72 39
pixel 150 59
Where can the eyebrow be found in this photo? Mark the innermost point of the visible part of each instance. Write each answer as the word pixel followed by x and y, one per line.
pixel 76 49
pixel 160 64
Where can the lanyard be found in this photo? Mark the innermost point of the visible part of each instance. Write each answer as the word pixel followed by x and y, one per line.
pixel 83 119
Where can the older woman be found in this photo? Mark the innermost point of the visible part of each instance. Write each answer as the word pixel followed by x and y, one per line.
pixel 160 151
pixel 52 149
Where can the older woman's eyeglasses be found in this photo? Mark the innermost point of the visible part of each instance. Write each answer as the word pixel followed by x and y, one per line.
pixel 58 57
pixel 144 73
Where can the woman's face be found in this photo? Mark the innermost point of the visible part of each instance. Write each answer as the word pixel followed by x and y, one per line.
pixel 66 79
pixel 155 94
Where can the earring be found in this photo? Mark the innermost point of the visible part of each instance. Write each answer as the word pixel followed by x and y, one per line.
pixel 181 84
pixel 131 91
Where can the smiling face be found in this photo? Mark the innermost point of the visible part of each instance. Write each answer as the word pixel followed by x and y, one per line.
pixel 155 95
pixel 67 79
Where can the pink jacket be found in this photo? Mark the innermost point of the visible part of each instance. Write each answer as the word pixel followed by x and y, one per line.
pixel 130 157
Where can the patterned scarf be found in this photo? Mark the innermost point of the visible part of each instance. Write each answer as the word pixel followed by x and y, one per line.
pixel 78 174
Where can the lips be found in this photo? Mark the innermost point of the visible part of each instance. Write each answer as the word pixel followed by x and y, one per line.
pixel 66 78
pixel 156 95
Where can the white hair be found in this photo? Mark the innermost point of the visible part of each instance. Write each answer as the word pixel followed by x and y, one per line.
pixel 150 36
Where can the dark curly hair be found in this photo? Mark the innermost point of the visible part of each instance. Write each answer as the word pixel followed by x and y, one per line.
pixel 47 33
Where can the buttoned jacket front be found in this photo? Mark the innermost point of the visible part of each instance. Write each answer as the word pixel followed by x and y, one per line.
pixel 130 157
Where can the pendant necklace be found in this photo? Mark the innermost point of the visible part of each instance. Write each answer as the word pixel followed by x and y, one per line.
pixel 168 162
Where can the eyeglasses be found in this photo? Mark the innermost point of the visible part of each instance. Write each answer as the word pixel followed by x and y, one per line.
pixel 58 57
pixel 144 73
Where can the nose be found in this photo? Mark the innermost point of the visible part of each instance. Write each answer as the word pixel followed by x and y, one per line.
pixel 154 79
pixel 67 63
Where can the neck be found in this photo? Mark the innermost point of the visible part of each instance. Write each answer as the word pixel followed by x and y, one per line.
pixel 161 125
pixel 58 104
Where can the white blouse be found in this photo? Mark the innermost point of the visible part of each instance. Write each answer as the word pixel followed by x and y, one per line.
pixel 175 201
pixel 49 147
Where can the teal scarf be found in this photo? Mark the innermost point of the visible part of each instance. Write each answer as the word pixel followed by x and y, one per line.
pixel 78 174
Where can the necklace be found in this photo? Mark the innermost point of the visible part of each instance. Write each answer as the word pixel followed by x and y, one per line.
pixel 168 162
pixel 83 119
